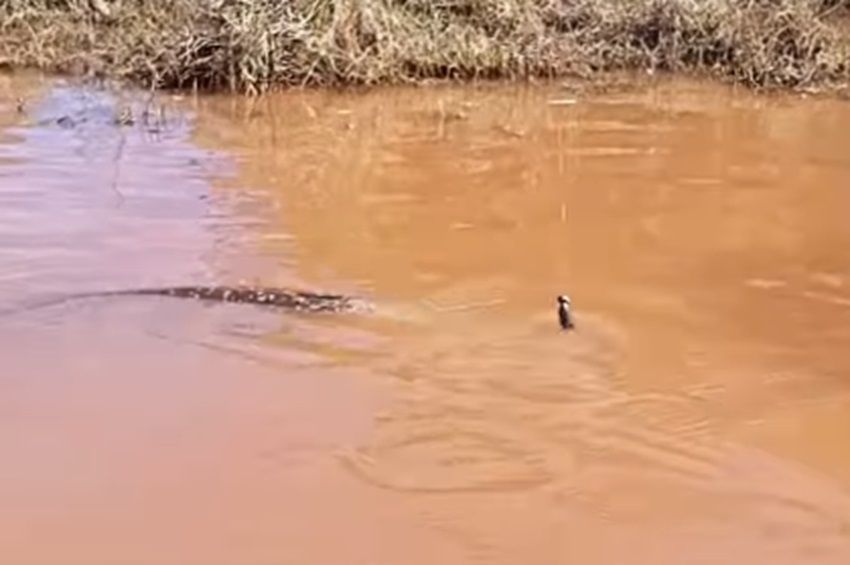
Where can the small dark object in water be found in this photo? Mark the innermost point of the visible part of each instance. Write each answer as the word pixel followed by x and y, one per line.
pixel 66 122
pixel 125 118
pixel 564 316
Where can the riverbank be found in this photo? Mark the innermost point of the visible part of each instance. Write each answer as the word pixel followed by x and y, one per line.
pixel 253 46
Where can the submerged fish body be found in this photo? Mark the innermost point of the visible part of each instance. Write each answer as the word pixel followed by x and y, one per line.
pixel 293 300
pixel 287 299
pixel 301 301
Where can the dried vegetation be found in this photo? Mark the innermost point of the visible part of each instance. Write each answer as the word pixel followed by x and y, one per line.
pixel 254 45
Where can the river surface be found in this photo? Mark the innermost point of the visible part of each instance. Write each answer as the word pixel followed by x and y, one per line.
pixel 699 413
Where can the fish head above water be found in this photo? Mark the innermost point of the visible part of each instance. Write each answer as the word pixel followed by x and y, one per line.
pixel 564 313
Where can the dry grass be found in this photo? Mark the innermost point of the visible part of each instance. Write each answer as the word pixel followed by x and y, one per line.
pixel 253 45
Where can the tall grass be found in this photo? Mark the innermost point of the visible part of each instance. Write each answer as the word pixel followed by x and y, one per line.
pixel 254 45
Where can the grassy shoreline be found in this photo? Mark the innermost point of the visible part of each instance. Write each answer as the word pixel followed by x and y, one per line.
pixel 257 45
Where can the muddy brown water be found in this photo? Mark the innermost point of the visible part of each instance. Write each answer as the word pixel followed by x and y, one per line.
pixel 700 413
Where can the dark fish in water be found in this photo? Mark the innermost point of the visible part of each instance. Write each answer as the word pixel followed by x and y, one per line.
pixel 299 301
pixel 294 300
pixel 282 298
pixel 564 315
